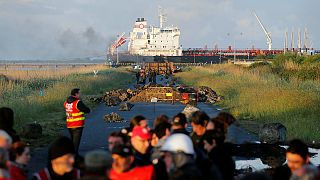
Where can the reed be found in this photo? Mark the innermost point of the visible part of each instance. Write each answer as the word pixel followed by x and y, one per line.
pixel 40 97
pixel 262 96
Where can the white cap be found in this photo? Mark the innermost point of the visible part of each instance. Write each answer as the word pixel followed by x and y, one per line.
pixel 178 143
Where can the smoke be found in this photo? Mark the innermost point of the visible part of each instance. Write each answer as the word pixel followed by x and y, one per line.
pixel 82 44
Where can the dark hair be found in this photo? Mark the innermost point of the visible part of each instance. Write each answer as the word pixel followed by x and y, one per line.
pixel 121 135
pixel 210 135
pixel 297 146
pixel 160 129
pixel 218 125
pixel 6 118
pixel 182 119
pixel 75 91
pixel 135 121
pixel 226 118
pixel 17 148
pixel 160 119
pixel 199 118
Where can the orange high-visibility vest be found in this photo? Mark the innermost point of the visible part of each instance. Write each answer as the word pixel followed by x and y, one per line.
pixel 75 118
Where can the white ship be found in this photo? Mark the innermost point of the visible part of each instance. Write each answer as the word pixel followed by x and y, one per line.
pixel 147 40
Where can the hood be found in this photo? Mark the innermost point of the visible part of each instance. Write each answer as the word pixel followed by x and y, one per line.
pixel 71 99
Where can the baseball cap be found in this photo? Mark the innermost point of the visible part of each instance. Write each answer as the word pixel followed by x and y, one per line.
pixel 142 132
pixel 179 119
pixel 122 150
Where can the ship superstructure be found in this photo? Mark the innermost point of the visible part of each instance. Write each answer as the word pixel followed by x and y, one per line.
pixel 147 40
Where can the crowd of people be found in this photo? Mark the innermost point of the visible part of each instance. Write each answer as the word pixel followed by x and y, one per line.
pixel 164 151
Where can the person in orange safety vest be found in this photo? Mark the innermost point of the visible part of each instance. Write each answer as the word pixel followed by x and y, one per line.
pixel 75 110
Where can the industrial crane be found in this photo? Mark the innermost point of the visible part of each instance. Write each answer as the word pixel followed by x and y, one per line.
pixel 268 35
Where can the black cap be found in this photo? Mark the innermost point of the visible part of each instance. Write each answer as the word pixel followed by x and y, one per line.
pixel 60 147
pixel 122 150
pixel 179 119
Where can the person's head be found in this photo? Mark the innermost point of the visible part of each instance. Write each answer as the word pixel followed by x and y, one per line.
pixel 140 139
pixel 116 138
pixel 297 154
pixel 75 92
pixel 20 153
pixel 212 138
pixel 177 151
pixel 123 158
pixel 139 121
pixel 162 130
pixel 160 119
pixel 224 118
pixel 5 140
pixel 61 155
pixel 179 121
pixel 216 125
pixel 199 120
pixel 6 118
pixel 97 162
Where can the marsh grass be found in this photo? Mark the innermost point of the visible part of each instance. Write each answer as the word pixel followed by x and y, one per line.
pixel 35 102
pixel 259 95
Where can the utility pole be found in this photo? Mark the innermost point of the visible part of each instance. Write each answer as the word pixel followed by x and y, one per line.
pixel 299 40
pixel 117 56
pixel 234 50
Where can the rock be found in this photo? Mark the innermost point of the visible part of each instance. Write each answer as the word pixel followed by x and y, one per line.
pixel 189 110
pixel 123 97
pixel 210 95
pixel 272 133
pixel 113 117
pixel 95 99
pixel 125 106
pixel 112 101
pixel 31 130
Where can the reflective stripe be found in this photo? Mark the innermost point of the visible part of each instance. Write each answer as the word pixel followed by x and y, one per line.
pixel 77 114
pixel 76 119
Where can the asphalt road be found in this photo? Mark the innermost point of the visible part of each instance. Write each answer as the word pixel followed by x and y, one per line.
pixel 97 130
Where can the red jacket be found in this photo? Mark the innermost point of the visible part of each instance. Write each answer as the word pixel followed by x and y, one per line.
pixel 16 172
pixel 137 173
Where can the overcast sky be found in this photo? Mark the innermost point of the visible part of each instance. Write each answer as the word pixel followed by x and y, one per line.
pixel 49 29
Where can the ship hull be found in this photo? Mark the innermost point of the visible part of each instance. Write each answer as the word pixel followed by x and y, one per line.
pixel 126 58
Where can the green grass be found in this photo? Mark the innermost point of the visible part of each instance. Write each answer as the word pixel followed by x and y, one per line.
pixel 262 96
pixel 29 106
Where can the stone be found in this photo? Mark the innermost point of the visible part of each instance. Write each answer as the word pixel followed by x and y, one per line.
pixel 95 99
pixel 125 106
pixel 112 101
pixel 210 95
pixel 273 133
pixel 31 130
pixel 113 117
pixel 189 110
pixel 123 97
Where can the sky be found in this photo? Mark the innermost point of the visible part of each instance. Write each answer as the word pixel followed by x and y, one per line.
pixel 57 29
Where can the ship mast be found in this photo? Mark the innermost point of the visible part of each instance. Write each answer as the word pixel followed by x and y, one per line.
pixel 162 16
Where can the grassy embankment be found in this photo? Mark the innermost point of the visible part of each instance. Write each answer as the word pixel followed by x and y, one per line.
pixel 286 91
pixel 38 95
